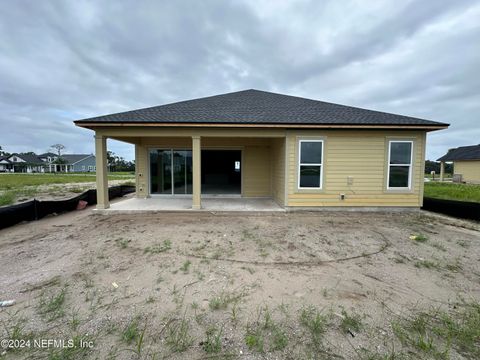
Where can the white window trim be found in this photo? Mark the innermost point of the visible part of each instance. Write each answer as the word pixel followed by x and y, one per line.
pixel 410 166
pixel 300 164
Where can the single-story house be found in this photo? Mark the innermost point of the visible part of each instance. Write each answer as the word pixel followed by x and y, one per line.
pixel 4 163
pixel 466 163
pixel 29 163
pixel 302 153
pixel 79 162
pixel 48 162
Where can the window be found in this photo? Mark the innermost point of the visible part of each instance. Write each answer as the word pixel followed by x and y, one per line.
pixel 83 167
pixel 310 167
pixel 399 164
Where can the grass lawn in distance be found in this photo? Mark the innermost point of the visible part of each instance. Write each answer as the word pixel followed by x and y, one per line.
pixel 19 180
pixel 451 191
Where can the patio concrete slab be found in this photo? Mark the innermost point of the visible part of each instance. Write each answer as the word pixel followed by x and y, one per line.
pixel 154 204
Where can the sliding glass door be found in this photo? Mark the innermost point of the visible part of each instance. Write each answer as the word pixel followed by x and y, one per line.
pixel 170 171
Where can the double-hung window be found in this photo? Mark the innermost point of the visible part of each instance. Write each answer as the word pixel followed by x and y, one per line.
pixel 310 164
pixel 399 165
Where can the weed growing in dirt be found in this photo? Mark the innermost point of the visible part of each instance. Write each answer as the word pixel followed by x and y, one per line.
pixel 254 339
pixel 52 306
pixel 213 342
pixel 419 238
pixel 7 198
pixel 15 329
pixel 436 332
pixel 123 243
pixel 351 322
pixel 74 352
pixel 159 248
pixel 131 331
pixel 315 324
pixel 463 243
pixel 426 264
pixel 186 266
pixel 222 301
pixel 249 269
pixel 265 334
pixel 178 338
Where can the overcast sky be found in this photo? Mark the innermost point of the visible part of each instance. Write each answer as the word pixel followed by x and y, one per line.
pixel 66 60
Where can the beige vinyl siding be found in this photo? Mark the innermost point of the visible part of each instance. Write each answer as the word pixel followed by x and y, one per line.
pixel 256 167
pixel 278 170
pixel 361 155
pixel 470 170
pixel 141 173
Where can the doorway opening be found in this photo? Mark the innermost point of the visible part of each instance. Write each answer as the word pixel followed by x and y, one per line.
pixel 221 172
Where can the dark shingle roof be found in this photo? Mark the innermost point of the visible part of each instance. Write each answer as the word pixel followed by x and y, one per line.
pixel 47 154
pixel 29 158
pixel 73 158
pixel 258 107
pixel 471 152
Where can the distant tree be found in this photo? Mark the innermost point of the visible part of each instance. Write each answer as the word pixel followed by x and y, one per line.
pixel 59 148
pixel 117 163
pixel 3 153
pixel 435 166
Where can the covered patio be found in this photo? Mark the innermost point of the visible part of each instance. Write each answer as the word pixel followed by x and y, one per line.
pixel 209 204
pixel 190 169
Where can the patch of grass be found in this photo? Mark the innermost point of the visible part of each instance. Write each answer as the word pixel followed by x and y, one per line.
pixel 265 334
pixel 7 198
pixel 14 327
pixel 249 269
pixel 20 180
pixel 186 266
pixel 178 338
pixel 436 332
pixel 71 353
pixel 450 191
pixel 123 243
pixel 351 322
pixel 315 323
pixel 52 306
pixel 454 267
pixel 222 301
pixel 159 248
pixel 463 243
pixel 426 264
pixel 213 342
pixel 419 238
pixel 254 339
pixel 131 332
pixel 76 190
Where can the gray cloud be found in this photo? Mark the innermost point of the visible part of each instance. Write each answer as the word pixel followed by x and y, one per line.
pixel 61 61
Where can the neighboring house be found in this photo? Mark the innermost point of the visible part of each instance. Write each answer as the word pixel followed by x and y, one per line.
pixel 302 153
pixel 79 162
pixel 466 163
pixel 48 162
pixel 29 163
pixel 4 163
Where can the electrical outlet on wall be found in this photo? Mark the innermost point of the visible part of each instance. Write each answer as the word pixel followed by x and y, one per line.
pixel 342 196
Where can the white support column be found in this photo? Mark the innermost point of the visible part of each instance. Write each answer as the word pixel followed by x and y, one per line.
pixel 442 170
pixel 102 180
pixel 196 169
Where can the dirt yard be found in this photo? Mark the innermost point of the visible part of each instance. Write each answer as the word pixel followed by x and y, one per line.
pixel 328 285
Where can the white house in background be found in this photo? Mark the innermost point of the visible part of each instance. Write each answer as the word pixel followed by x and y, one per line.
pixel 4 162
pixel 29 163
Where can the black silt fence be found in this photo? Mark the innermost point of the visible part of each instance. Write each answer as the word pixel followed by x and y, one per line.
pixel 38 209
pixel 459 209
